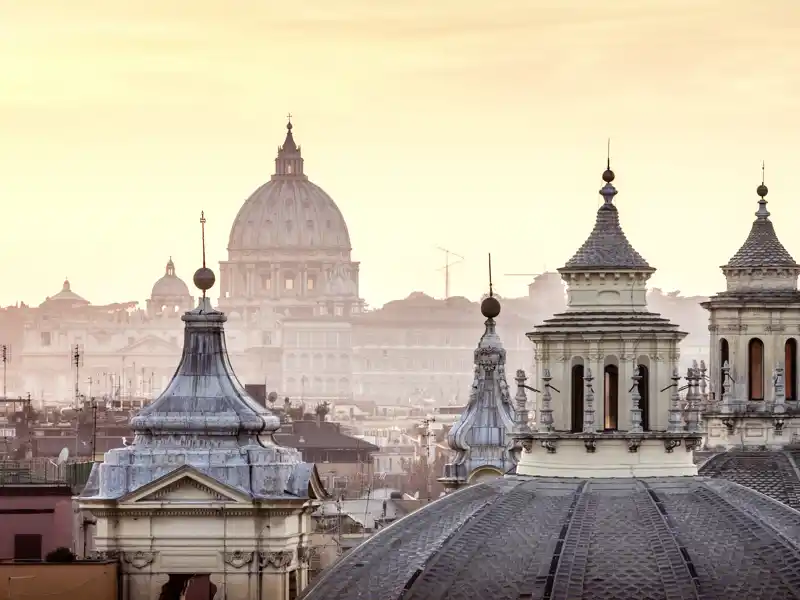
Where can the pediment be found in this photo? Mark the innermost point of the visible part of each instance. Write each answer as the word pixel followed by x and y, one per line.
pixel 185 485
pixel 150 345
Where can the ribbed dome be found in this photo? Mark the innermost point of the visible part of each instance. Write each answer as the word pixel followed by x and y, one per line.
pixel 289 211
pixel 170 285
pixel 568 539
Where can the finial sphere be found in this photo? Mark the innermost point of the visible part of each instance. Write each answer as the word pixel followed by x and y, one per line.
pixel 608 175
pixel 490 307
pixel 762 190
pixel 204 278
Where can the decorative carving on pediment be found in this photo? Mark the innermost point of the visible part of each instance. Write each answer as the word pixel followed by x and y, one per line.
pixel 670 445
pixel 277 560
pixel 713 328
pixel 657 357
pixel 562 358
pixel 595 356
pixel 104 555
pixel 633 445
pixel 527 446
pixel 183 483
pixel 237 559
pixel 734 328
pixel 776 328
pixel 139 559
pixel 626 358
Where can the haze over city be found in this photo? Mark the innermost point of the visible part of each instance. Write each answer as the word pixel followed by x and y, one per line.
pixel 471 126
pixel 251 346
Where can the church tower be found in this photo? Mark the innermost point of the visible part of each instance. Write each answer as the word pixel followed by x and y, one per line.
pixel 204 497
pixel 608 331
pixel 754 328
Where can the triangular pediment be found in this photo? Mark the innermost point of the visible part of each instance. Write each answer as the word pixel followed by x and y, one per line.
pixel 185 485
pixel 150 345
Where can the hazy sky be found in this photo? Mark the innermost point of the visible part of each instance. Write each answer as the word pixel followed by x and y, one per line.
pixel 476 126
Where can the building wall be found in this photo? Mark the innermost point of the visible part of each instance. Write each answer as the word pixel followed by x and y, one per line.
pixel 50 516
pixel 51 581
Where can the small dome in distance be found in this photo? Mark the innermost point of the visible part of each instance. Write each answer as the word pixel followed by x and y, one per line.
pixel 170 285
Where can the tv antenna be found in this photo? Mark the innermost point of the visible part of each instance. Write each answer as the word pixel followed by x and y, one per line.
pixel 5 356
pixel 446 268
pixel 76 359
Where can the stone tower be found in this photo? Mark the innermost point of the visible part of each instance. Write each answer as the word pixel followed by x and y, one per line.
pixel 607 330
pixel 754 328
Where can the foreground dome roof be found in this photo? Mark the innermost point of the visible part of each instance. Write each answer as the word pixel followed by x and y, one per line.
pixel 170 285
pixel 289 212
pixel 570 538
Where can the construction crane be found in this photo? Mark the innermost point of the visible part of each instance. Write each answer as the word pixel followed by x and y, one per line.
pixel 446 268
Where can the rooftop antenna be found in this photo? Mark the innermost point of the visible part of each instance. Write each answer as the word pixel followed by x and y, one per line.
pixel 76 359
pixel 446 268
pixel 608 154
pixel 762 173
pixel 5 356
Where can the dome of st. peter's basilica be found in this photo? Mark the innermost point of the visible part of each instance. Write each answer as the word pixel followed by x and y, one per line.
pixel 289 212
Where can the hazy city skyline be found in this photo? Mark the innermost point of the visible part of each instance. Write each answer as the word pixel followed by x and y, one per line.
pixel 121 123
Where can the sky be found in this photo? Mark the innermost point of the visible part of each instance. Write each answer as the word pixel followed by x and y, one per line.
pixel 461 124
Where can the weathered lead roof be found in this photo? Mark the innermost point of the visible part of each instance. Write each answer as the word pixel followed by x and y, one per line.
pixel 567 539
pixel 773 473
pixel 606 247
pixel 478 438
pixel 762 248
pixel 205 420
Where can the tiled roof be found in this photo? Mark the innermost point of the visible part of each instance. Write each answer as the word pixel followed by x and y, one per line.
pixel 771 473
pixel 762 248
pixel 536 537
pixel 607 247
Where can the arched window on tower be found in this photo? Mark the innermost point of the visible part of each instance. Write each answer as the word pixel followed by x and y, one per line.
pixel 644 394
pixel 611 396
pixel 755 369
pixel 790 370
pixel 577 398
pixel 724 357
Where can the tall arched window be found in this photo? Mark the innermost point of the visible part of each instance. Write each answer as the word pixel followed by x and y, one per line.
pixel 724 357
pixel 755 369
pixel 577 398
pixel 611 396
pixel 790 370
pixel 644 394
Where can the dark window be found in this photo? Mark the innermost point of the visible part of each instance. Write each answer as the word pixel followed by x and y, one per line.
pixel 611 396
pixel 724 357
pixel 28 546
pixel 294 585
pixel 755 369
pixel 644 394
pixel 790 370
pixel 577 398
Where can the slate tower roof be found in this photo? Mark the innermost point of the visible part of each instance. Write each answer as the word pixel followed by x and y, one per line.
pixel 762 248
pixel 606 247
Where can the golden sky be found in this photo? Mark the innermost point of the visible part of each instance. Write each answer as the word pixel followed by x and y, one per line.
pixel 476 126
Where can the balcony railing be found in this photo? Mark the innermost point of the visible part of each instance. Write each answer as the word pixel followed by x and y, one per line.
pixel 34 471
